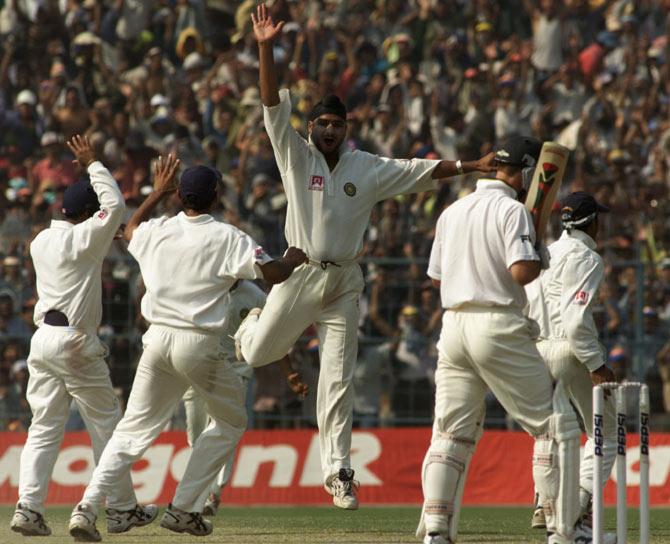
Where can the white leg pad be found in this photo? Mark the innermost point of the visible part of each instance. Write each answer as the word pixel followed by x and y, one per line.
pixel 567 509
pixel 556 466
pixel 456 516
pixel 444 468
pixel 545 475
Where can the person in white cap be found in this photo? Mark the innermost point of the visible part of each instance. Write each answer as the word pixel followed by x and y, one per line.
pixel 244 295
pixel 331 192
pixel 67 360
pixel 54 169
pixel 561 301
pixel 188 263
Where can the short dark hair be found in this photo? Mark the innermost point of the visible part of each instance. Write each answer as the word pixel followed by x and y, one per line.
pixel 191 202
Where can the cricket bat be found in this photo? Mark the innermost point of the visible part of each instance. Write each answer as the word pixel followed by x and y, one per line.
pixel 547 179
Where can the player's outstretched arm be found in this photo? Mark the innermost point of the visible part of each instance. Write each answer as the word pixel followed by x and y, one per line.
pixel 266 31
pixel 279 270
pixel 447 169
pixel 164 173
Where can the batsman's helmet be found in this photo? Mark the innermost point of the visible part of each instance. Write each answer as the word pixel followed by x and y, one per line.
pixel 521 151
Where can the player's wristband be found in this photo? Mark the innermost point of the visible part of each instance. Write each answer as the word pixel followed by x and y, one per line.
pixel 459 167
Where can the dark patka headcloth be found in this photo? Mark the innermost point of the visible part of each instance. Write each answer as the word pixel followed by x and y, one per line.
pixel 329 104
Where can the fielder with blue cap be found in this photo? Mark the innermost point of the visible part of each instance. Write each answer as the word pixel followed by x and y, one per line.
pixel 189 263
pixel 67 360
pixel 80 201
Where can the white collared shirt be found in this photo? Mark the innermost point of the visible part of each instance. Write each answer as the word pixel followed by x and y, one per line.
pixel 477 239
pixel 561 299
pixel 68 258
pixel 188 265
pixel 328 212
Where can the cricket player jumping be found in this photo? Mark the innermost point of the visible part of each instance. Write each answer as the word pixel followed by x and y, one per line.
pixel 331 192
pixel 67 360
pixel 483 254
pixel 561 301
pixel 188 263
pixel 243 296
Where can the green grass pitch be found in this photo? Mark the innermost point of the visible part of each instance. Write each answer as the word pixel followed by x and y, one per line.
pixel 307 525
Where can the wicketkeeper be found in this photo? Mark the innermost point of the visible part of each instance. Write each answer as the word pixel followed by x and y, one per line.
pixel 561 301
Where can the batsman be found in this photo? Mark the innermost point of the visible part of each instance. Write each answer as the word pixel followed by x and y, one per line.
pixel 484 253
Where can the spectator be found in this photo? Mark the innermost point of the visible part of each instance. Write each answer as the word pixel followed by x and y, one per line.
pixel 54 171
pixel 11 324
pixel 372 382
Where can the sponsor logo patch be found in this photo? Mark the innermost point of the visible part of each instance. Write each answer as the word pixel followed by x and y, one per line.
pixel 349 189
pixel 102 213
pixel 582 297
pixel 259 252
pixel 316 183
pixel 525 238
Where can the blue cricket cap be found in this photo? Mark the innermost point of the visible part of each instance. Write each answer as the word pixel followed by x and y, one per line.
pixel 80 198
pixel 197 186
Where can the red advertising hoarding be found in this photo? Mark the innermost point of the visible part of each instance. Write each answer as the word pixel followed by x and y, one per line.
pixel 282 467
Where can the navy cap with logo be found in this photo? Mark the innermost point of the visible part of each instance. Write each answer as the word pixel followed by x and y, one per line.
pixel 80 198
pixel 197 186
pixel 521 151
pixel 579 209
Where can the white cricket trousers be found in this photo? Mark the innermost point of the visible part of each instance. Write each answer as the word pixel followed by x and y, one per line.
pixel 174 359
pixel 481 349
pixel 67 364
pixel 196 422
pixel 329 298
pixel 576 379
pixel 486 348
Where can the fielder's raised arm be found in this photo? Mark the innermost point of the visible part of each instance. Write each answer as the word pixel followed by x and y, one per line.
pixel 165 171
pixel 265 31
pixel 94 231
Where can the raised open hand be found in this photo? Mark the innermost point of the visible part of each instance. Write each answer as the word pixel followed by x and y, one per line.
pixel 82 150
pixel 264 29
pixel 164 174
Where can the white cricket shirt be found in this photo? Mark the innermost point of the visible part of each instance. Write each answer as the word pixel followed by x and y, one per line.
pixel 477 239
pixel 328 212
pixel 561 299
pixel 188 264
pixel 68 258
pixel 244 297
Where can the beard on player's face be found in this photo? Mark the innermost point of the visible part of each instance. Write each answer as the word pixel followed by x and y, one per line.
pixel 328 132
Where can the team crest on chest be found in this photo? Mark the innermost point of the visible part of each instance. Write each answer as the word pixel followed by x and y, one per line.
pixel 349 189
pixel 316 183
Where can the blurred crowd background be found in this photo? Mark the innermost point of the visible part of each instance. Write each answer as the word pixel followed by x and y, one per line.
pixel 424 78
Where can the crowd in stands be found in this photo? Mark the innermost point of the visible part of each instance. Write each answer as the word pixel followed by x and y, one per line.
pixel 420 78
